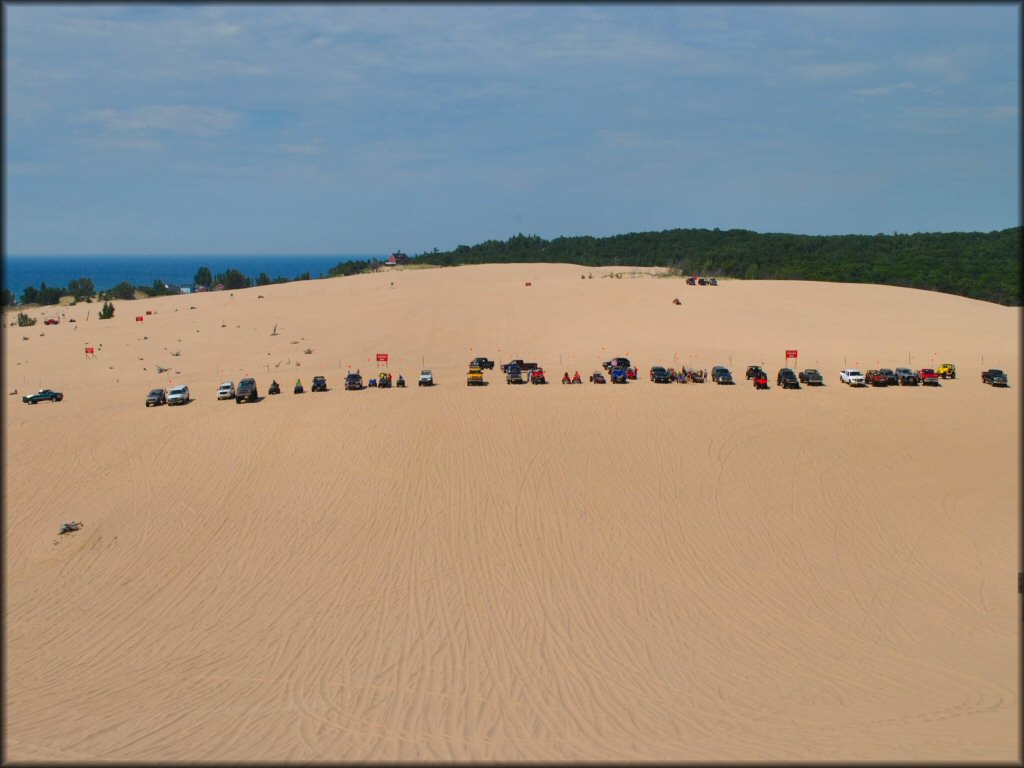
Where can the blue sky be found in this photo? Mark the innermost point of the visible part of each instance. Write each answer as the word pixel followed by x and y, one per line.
pixel 343 129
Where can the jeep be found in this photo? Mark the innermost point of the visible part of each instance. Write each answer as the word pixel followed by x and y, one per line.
pixel 875 378
pixel 907 378
pixel 319 384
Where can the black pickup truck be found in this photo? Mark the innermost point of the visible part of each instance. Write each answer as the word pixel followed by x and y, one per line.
pixel 811 376
pixel 517 364
pixel 616 362
pixel 483 363
pixel 995 377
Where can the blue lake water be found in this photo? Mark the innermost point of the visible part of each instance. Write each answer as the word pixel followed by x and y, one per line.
pixel 108 271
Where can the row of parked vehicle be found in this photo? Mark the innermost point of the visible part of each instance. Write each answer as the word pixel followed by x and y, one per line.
pixel 247 391
pixel 620 370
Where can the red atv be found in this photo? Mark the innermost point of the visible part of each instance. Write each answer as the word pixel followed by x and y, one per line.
pixel 761 381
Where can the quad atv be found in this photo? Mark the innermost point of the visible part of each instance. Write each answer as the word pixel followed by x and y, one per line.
pixel 275 388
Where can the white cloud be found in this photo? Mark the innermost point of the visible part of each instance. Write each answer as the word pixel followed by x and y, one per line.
pixel 834 71
pixel 946 66
pixel 302 149
pixel 884 90
pixel 1004 112
pixel 196 121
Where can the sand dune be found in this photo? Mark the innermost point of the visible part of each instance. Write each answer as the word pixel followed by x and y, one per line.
pixel 647 572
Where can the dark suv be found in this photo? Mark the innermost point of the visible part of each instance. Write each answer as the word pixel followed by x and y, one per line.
pixel 319 384
pixel 354 381
pixel 659 375
pixel 156 397
pixel 787 379
pixel 721 375
pixel 616 362
pixel 246 390
pixel 753 371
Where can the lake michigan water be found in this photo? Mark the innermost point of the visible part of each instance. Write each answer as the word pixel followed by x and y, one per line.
pixel 108 271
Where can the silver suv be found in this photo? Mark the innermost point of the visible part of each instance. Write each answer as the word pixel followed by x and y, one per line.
pixel 178 395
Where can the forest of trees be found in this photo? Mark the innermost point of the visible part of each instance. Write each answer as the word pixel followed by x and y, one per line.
pixel 979 265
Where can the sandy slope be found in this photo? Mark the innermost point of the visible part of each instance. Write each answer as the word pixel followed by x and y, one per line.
pixel 675 572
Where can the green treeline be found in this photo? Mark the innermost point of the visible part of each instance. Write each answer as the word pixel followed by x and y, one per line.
pixel 978 265
pixel 232 279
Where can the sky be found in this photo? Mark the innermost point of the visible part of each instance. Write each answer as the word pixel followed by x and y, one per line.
pixel 368 128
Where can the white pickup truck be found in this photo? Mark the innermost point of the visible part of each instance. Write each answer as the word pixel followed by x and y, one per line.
pixel 852 377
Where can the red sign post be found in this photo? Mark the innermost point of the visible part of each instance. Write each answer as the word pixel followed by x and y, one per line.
pixel 790 353
pixel 382 357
